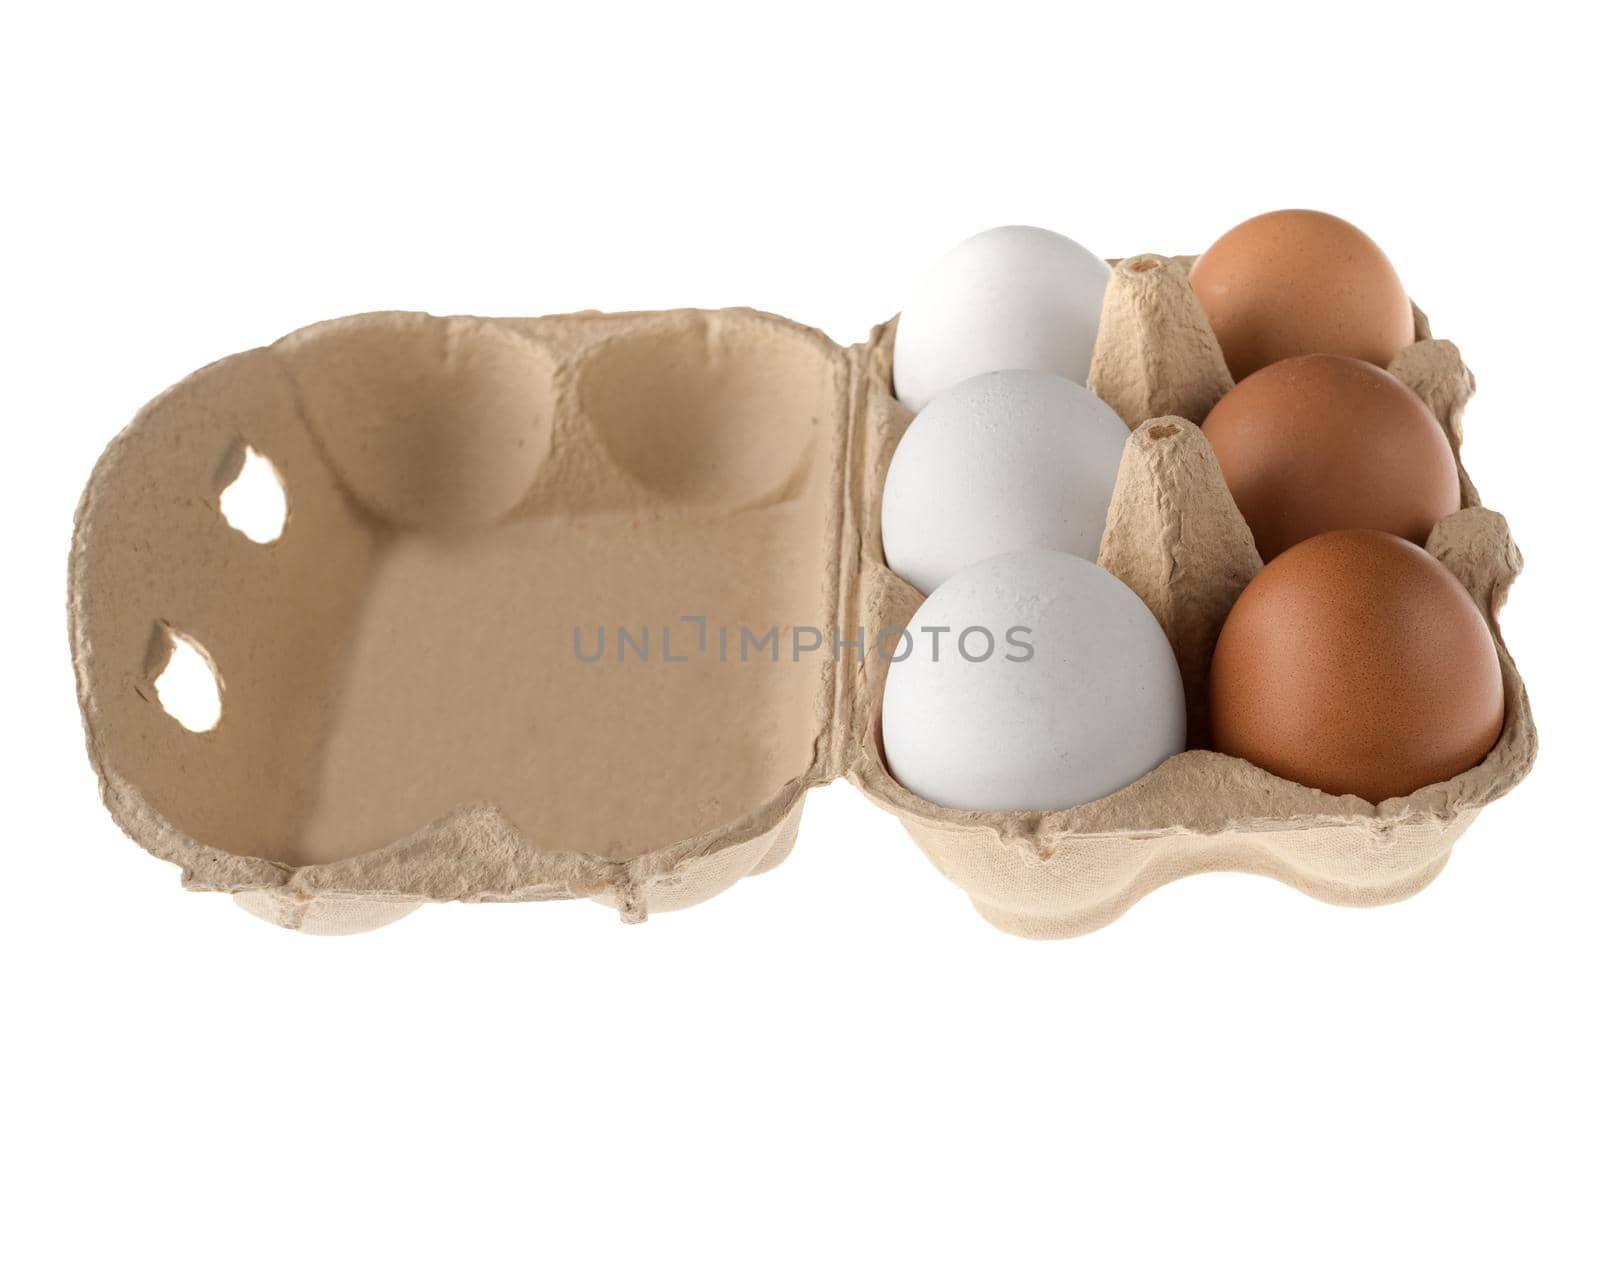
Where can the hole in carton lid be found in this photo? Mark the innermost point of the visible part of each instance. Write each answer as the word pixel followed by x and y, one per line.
pixel 1145 263
pixel 188 686
pixel 255 503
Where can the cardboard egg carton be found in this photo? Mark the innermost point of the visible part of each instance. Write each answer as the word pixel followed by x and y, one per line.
pixel 582 606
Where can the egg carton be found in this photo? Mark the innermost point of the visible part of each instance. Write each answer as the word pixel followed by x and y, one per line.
pixel 582 606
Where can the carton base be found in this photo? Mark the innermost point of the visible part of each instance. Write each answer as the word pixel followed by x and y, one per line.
pixel 1098 914
pixel 330 916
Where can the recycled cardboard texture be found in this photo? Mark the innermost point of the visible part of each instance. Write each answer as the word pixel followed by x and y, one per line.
pixel 405 714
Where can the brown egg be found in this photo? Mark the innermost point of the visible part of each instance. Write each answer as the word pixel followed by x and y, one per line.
pixel 1357 664
pixel 1298 282
pixel 1323 442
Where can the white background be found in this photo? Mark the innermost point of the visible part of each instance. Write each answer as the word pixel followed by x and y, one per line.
pixel 835 1068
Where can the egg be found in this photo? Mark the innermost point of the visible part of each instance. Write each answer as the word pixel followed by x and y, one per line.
pixel 1323 442
pixel 1016 460
pixel 1014 297
pixel 1355 663
pixel 1030 681
pixel 1299 282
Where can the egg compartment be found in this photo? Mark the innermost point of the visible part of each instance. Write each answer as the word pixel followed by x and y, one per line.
pixel 408 713
pixel 1176 538
pixel 412 705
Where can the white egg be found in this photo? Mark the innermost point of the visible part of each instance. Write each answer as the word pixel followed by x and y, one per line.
pixel 1014 297
pixel 1010 461
pixel 1078 696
